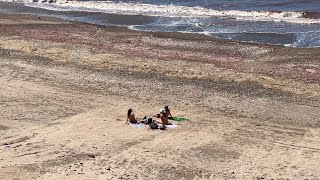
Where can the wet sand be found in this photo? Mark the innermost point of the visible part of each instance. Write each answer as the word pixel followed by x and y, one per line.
pixel 66 87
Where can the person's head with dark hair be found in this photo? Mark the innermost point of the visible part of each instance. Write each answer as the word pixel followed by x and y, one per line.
pixel 129 112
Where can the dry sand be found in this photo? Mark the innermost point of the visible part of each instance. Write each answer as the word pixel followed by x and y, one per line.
pixel 66 87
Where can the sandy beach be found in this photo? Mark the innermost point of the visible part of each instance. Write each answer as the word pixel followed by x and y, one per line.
pixel 66 88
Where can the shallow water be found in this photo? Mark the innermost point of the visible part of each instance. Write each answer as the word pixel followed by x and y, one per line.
pixel 283 22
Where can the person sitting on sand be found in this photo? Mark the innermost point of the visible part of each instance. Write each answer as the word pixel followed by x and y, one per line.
pixel 130 117
pixel 163 117
pixel 168 113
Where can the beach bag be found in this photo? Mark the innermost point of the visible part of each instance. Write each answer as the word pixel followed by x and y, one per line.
pixel 149 121
pixel 153 125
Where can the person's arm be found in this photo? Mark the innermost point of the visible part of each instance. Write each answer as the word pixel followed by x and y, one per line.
pixel 169 113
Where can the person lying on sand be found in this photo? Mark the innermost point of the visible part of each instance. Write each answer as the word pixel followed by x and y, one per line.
pixel 130 117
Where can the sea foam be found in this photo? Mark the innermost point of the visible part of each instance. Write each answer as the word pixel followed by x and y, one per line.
pixel 166 10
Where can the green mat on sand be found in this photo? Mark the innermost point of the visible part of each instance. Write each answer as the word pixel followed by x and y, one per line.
pixel 178 119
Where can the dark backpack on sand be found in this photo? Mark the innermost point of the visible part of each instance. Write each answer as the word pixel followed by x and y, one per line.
pixel 153 125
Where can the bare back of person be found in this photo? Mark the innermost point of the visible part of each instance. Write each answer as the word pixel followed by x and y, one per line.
pixel 131 118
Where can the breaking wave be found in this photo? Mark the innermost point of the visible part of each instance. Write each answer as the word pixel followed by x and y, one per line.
pixel 169 10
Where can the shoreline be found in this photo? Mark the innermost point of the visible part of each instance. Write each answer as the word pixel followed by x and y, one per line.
pixel 291 65
pixel 66 87
pixel 271 36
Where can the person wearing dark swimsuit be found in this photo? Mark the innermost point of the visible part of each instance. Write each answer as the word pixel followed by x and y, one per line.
pixel 130 117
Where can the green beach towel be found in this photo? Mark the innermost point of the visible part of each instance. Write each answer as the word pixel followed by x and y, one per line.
pixel 178 119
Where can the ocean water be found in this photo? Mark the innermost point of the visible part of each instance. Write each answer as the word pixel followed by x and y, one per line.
pixel 294 23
